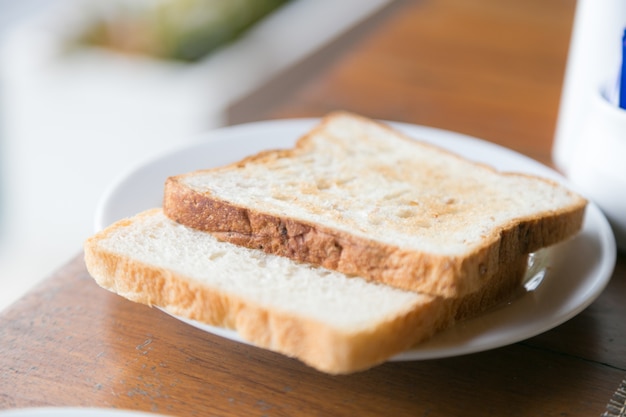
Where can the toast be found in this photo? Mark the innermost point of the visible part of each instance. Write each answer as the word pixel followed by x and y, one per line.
pixel 334 323
pixel 356 196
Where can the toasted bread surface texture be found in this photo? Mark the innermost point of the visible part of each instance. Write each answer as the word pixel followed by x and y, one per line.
pixel 356 196
pixel 332 322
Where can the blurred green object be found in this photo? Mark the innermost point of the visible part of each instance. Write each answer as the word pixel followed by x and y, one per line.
pixel 184 30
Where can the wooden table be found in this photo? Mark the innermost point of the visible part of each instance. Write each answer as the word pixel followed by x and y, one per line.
pixel 488 68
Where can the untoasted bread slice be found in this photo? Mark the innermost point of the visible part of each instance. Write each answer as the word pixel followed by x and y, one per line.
pixel 356 196
pixel 334 323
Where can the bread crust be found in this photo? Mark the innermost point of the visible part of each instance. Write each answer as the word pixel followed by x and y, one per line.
pixel 317 344
pixel 354 255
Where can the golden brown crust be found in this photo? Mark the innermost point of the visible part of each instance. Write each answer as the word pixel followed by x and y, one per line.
pixel 354 255
pixel 500 288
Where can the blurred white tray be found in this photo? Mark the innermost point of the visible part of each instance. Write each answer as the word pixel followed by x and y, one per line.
pixel 71 123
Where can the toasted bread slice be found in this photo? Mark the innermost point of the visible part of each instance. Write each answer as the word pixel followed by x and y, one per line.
pixel 334 323
pixel 358 197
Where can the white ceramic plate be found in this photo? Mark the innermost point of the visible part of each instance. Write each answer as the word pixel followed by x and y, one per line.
pixel 577 270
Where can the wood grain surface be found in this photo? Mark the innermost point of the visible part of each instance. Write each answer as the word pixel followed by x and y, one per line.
pixel 70 343
pixel 488 68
